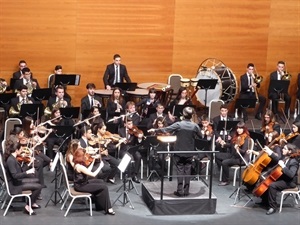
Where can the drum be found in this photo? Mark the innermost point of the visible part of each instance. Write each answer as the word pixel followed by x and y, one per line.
pixel 194 82
pixel 212 94
pixel 226 88
pixel 137 94
pixel 184 82
pixel 104 94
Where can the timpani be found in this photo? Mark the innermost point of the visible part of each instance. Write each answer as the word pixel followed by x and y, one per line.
pixel 157 86
pixel 137 94
pixel 105 95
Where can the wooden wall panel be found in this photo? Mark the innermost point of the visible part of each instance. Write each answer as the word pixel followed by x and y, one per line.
pixel 154 38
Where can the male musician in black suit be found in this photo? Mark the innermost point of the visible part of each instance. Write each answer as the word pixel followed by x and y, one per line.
pixel 159 113
pixel 21 99
pixel 59 96
pixel 18 74
pixel 115 73
pixel 90 100
pixel 273 95
pixel 249 90
pixel 26 80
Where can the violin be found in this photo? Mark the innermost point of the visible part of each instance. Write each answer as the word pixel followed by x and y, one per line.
pixel 24 156
pixel 135 131
pixel 269 128
pixel 240 139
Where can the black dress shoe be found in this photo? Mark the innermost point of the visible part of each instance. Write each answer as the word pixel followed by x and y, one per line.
pixel 271 211
pixel 136 180
pixel 178 194
pixel 258 117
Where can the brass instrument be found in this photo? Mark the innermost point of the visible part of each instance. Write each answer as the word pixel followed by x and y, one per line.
pixel 96 102
pixel 61 103
pixel 13 112
pixel 3 86
pixel 285 75
pixel 30 87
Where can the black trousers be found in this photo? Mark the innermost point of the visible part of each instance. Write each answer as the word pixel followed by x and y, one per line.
pixel 275 97
pixel 183 166
pixel 32 184
pixel 251 95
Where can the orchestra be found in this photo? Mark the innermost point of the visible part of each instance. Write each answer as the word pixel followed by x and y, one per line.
pixel 104 147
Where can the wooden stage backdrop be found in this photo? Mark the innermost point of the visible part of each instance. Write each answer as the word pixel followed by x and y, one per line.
pixel 154 38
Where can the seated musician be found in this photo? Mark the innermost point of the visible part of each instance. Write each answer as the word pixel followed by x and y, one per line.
pixel 132 113
pixel 90 100
pixel 27 80
pixel 15 103
pixel 59 100
pixel 72 147
pixel 150 101
pixel 240 143
pixel 181 99
pixel 159 113
pixel 110 167
pixel 287 165
pixel 222 137
pixel 134 137
pixel 21 178
pixel 115 106
pixel 270 128
pixel 93 119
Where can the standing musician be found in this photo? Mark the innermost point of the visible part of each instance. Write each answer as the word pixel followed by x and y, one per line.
pixel 90 100
pixel 273 95
pixel 115 105
pixel 133 137
pixel 21 178
pixel 181 99
pixel 115 73
pixel 186 132
pixel 150 101
pixel 249 90
pixel 286 170
pixel 15 104
pixel 240 143
pixel 270 128
pixel 27 80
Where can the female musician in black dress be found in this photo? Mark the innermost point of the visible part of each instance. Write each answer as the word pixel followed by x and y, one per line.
pixel 21 179
pixel 115 105
pixel 240 143
pixel 150 101
pixel 94 186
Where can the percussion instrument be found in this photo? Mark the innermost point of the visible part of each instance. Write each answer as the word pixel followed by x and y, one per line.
pixel 185 82
pixel 157 86
pixel 226 88
pixel 194 82
pixel 105 95
pixel 137 94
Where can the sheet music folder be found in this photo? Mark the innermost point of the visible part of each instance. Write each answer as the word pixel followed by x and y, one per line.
pixel 41 94
pixel 279 86
pixel 67 79
pixel 32 110
pixel 70 112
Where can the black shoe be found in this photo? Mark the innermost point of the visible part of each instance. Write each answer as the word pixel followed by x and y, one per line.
pixel 186 194
pixel 136 180
pixel 178 194
pixel 271 211
pixel 258 117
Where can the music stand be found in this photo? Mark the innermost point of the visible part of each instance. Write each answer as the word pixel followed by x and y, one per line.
pixel 41 94
pixel 279 86
pixel 61 131
pixel 126 160
pixel 201 145
pixel 227 125
pixel 207 84
pixel 12 83
pixel 32 110
pixel 151 143
pixel 6 97
pixel 67 79
pixel 70 112
pixel 177 110
pixel 126 86
pixel 150 111
pixel 258 137
pixel 245 103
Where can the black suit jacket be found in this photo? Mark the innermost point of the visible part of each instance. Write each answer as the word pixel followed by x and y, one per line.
pixel 14 102
pixel 273 76
pixel 109 74
pixel 52 100
pixel 85 103
pixel 19 82
pixel 216 120
pixel 245 84
pixel 17 75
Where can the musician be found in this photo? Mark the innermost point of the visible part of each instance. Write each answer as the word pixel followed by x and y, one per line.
pixel 133 137
pixel 115 73
pixel 72 147
pixel 270 128
pixel 293 137
pixel 289 167
pixel 240 143
pixel 110 166
pixel 132 113
pixel 59 100
pixel 115 105
pixel 21 179
pixel 273 95
pixel 159 113
pixel 150 101
pixel 18 74
pixel 249 89
pixel 186 131
pixel 27 80
pixel 93 123
pixel 90 100
pixel 181 99
pixel 96 187
pixel 21 99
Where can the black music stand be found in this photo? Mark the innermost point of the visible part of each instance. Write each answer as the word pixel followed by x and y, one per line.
pixel 41 94
pixel 151 143
pixel 12 83
pixel 6 97
pixel 258 137
pixel 67 79
pixel 245 103
pixel 126 86
pixel 207 84
pixel 56 166
pixel 279 86
pixel 178 109
pixel 126 160
pixel 32 110
pixel 201 145
pixel 150 111
pixel 70 112
pixel 61 131
pixel 227 125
